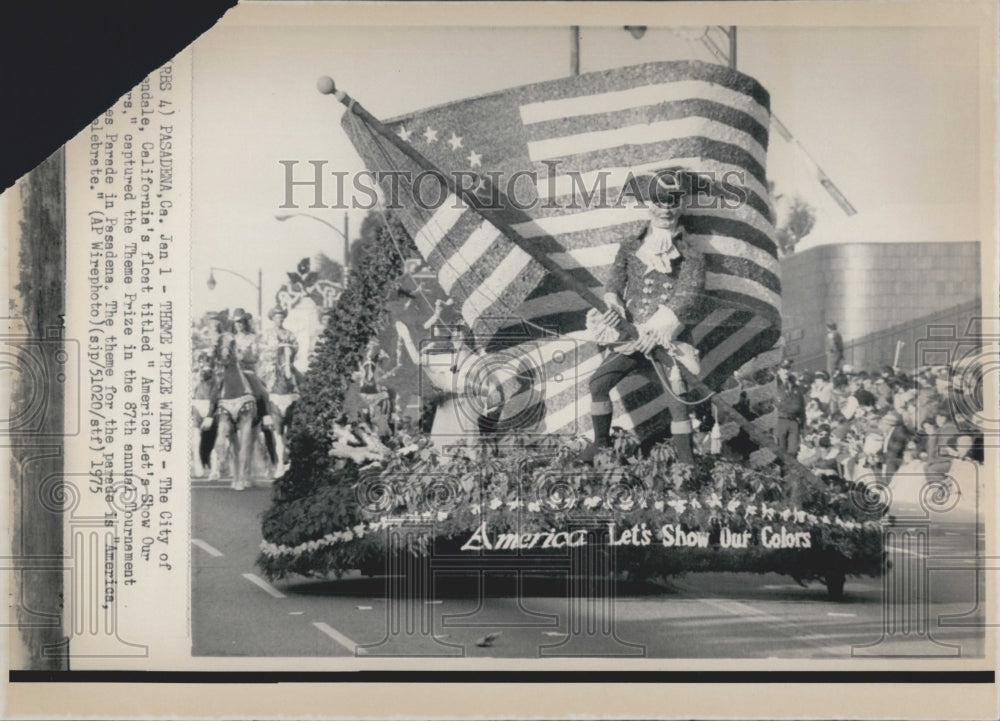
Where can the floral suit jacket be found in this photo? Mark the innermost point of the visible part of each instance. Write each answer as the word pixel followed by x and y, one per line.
pixel 645 291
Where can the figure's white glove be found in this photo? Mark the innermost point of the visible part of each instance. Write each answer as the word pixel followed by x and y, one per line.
pixel 598 330
pixel 664 325
pixel 206 423
pixel 603 327
pixel 658 330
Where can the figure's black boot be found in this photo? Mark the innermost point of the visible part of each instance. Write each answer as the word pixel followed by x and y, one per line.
pixel 602 437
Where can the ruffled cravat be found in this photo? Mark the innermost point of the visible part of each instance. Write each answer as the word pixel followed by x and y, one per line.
pixel 658 250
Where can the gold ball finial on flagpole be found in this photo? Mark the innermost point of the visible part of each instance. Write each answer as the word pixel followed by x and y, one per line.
pixel 326 85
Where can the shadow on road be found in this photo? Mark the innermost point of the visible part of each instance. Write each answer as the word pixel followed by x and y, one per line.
pixel 469 585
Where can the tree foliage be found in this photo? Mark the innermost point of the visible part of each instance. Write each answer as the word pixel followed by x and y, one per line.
pixel 798 221
pixel 358 314
pixel 327 267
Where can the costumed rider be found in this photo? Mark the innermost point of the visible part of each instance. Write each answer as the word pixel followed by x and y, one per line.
pixel 215 331
pixel 656 283
pixel 248 356
pixel 281 337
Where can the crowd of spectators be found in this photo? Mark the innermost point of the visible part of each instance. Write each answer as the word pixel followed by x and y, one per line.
pixel 859 423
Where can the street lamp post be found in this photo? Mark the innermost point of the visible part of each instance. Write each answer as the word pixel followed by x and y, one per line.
pixel 342 233
pixel 258 285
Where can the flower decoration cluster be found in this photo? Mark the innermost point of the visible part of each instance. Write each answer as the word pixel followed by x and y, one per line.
pixel 451 495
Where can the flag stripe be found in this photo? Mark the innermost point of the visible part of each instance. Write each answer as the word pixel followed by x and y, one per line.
pixel 646 134
pixel 743 224
pixel 742 268
pixel 752 100
pixel 691 107
pixel 591 257
pixel 439 224
pixel 489 293
pixel 628 155
pixel 726 348
pixel 549 295
pixel 740 301
pixel 560 301
pixel 757 344
pixel 587 220
pixel 718 317
pixel 727 245
pixel 721 255
pixel 733 237
pixel 559 192
pixel 462 260
pixel 712 335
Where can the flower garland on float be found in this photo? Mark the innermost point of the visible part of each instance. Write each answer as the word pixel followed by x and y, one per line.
pixel 532 494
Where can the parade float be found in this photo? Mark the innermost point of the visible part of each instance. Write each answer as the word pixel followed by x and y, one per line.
pixel 520 278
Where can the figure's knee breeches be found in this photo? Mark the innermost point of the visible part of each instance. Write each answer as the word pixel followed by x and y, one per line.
pixel 601 385
pixel 610 373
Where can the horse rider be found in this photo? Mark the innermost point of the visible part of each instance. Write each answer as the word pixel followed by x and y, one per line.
pixel 248 356
pixel 281 337
pixel 657 283
pixel 215 328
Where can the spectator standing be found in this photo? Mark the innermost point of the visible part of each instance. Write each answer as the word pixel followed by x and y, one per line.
pixel 791 410
pixel 834 350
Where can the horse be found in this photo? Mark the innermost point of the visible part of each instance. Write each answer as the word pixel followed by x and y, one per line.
pixel 283 394
pixel 201 402
pixel 236 415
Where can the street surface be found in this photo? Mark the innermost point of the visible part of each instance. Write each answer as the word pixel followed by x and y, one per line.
pixel 236 612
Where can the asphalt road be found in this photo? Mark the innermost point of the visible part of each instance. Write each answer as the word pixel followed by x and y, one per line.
pixel 236 612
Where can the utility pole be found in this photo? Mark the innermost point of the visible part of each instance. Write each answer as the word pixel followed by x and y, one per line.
pixel 347 244
pixel 574 50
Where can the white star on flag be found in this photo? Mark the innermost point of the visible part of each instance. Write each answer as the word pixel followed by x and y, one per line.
pixel 475 159
pixel 404 133
pixel 455 142
pixel 431 135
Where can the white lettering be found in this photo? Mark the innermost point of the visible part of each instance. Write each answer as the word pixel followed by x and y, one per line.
pixel 478 540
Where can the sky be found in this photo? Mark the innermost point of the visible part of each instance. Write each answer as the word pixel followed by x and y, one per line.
pixel 891 115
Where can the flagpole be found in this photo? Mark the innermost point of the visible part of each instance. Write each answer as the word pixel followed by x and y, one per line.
pixel 326 86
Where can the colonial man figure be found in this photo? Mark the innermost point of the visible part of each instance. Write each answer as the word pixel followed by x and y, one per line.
pixel 656 283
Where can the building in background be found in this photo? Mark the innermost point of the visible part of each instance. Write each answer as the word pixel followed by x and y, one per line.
pixel 878 294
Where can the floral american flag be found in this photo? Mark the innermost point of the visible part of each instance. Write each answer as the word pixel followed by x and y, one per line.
pixel 548 145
